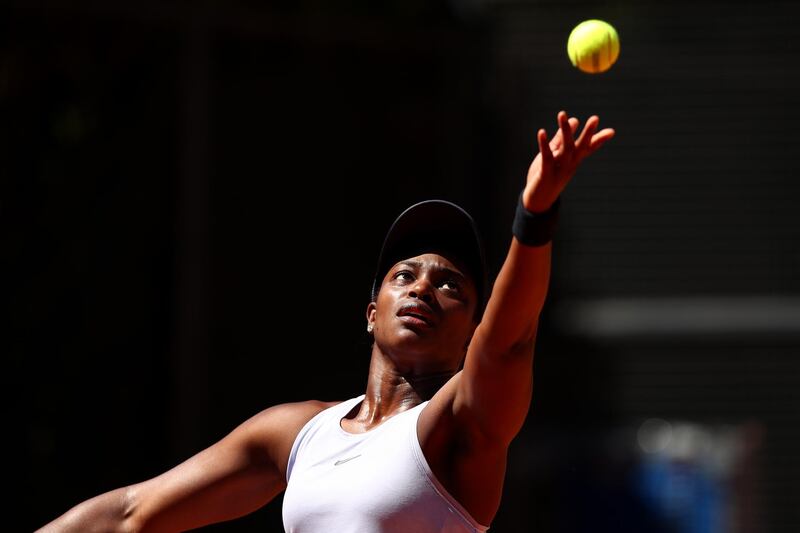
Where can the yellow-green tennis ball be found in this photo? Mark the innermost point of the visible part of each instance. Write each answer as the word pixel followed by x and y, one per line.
pixel 593 46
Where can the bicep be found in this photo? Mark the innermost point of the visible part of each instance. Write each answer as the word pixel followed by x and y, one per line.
pixel 497 379
pixel 495 389
pixel 234 477
pixel 220 483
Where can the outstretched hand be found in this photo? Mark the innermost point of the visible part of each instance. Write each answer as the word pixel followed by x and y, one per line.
pixel 558 159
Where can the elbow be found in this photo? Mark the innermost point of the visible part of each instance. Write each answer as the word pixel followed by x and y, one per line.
pixel 522 349
pixel 130 521
pixel 112 511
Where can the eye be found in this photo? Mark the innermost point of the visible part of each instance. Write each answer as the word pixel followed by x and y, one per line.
pixel 451 285
pixel 403 275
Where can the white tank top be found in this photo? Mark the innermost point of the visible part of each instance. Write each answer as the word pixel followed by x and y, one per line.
pixel 373 482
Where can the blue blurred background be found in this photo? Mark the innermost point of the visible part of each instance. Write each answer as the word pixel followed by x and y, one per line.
pixel 194 194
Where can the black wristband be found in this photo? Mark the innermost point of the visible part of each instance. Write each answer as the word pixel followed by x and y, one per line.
pixel 535 229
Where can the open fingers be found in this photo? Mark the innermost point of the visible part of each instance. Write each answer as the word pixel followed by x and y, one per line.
pixel 590 139
pixel 564 142
pixel 565 127
pixel 600 138
pixel 544 148
pixel 558 139
pixel 584 140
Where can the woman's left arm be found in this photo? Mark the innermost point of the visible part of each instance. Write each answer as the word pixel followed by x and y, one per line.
pixel 495 387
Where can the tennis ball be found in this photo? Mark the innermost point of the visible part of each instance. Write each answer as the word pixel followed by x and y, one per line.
pixel 593 46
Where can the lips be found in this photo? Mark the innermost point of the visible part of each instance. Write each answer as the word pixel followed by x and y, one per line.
pixel 418 313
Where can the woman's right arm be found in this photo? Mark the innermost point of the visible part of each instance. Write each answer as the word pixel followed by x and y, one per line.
pixel 234 477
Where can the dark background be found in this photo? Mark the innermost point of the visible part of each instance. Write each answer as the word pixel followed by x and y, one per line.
pixel 194 193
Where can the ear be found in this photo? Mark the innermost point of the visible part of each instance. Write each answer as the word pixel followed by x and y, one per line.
pixel 372 310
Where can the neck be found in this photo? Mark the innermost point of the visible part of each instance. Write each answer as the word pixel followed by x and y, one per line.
pixel 391 390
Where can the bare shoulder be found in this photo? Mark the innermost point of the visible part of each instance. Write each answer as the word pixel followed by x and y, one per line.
pixel 272 432
pixel 286 416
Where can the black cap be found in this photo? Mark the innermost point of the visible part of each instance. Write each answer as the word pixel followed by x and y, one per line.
pixel 435 226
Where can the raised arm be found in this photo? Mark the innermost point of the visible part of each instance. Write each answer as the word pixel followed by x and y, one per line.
pixel 495 385
pixel 234 477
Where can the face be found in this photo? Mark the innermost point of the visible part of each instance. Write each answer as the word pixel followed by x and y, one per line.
pixel 424 313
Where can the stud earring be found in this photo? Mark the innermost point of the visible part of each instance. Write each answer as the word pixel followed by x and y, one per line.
pixel 369 327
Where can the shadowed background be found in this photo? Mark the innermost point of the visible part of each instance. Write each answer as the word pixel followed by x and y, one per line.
pixel 194 195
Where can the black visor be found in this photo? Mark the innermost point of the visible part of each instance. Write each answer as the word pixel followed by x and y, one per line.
pixel 435 226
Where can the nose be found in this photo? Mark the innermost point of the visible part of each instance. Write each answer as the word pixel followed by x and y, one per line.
pixel 422 289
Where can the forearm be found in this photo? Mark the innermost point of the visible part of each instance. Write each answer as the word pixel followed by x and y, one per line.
pixel 107 512
pixel 497 377
pixel 518 296
pixel 496 384
pixel 520 290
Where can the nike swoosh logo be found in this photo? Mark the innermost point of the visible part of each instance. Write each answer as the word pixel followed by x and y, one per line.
pixel 342 461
